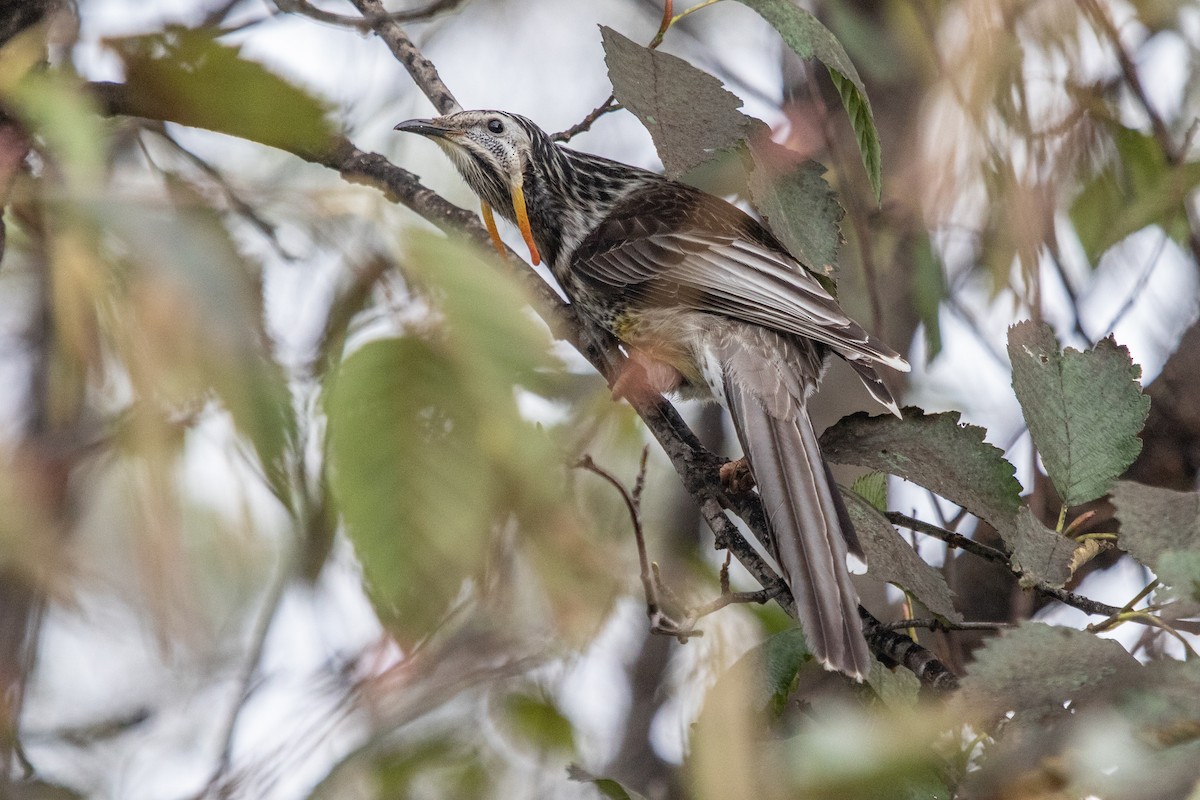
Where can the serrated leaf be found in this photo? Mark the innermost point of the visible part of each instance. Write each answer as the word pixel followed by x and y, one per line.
pixel 690 115
pixel 1139 187
pixel 1035 669
pixel 1038 553
pixel 872 487
pixel 1084 409
pixel 797 204
pixel 607 786
pixel 896 688
pixel 1155 521
pixel 1180 570
pixel 934 451
pixel 890 559
pixel 808 38
pixel 1161 529
pixel 187 76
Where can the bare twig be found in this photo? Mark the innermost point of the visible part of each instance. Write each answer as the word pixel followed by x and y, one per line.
pixel 949 537
pixel 367 21
pixel 422 70
pixel 935 624
pixel 236 203
pixel 610 104
pixel 659 621
pixel 727 598
pixel 219 14
pixel 246 681
pixel 1143 278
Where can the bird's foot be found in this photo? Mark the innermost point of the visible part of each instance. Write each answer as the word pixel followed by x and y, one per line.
pixel 736 476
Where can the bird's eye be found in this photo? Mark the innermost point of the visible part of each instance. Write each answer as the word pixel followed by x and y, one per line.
pixel 495 126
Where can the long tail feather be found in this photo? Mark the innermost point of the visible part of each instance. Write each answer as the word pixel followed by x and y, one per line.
pixel 810 529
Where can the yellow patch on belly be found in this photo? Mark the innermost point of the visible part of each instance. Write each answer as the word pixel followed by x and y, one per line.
pixel 663 336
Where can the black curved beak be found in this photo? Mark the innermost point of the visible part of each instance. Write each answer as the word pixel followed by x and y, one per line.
pixel 425 127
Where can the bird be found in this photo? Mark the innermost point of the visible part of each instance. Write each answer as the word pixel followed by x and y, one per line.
pixel 707 304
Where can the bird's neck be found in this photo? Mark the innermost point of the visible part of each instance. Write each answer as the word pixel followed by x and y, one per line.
pixel 568 194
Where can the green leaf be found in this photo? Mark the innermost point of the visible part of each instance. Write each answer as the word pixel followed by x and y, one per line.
pixel 427 450
pixel 690 115
pixel 1038 553
pixel 607 786
pixel 1161 529
pixel 766 673
pixel 934 451
pixel 1084 410
pixel 417 497
pixel 929 290
pixel 890 559
pixel 537 721
pixel 56 107
pixel 1180 570
pixel 797 204
pixel 896 688
pixel 1138 188
pixel 872 487
pixel 187 76
pixel 808 38
pixel 1035 669
pixel 1155 521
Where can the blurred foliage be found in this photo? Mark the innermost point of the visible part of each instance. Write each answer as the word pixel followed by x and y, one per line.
pixel 173 457
pixel 186 76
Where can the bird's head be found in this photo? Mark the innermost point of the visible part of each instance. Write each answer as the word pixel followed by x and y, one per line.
pixel 491 150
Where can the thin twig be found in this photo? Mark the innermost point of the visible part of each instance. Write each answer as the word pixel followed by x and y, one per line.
pixel 246 681
pixel 724 599
pixel 935 624
pixel 219 14
pixel 237 204
pixel 659 621
pixel 367 21
pixel 1053 251
pixel 1114 619
pixel 422 70
pixel 951 538
pixel 609 105
pixel 1143 278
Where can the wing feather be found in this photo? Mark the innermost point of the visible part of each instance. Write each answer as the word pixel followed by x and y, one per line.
pixel 724 274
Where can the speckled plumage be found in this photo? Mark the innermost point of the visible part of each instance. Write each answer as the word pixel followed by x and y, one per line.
pixel 710 304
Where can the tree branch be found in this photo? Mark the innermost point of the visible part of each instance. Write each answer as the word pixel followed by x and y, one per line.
pixel 422 70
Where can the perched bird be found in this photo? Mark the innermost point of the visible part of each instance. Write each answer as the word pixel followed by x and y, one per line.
pixel 706 303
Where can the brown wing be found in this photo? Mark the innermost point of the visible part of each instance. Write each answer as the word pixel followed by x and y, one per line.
pixel 672 245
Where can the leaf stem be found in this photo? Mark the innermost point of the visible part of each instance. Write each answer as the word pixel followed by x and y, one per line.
pixel 694 8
